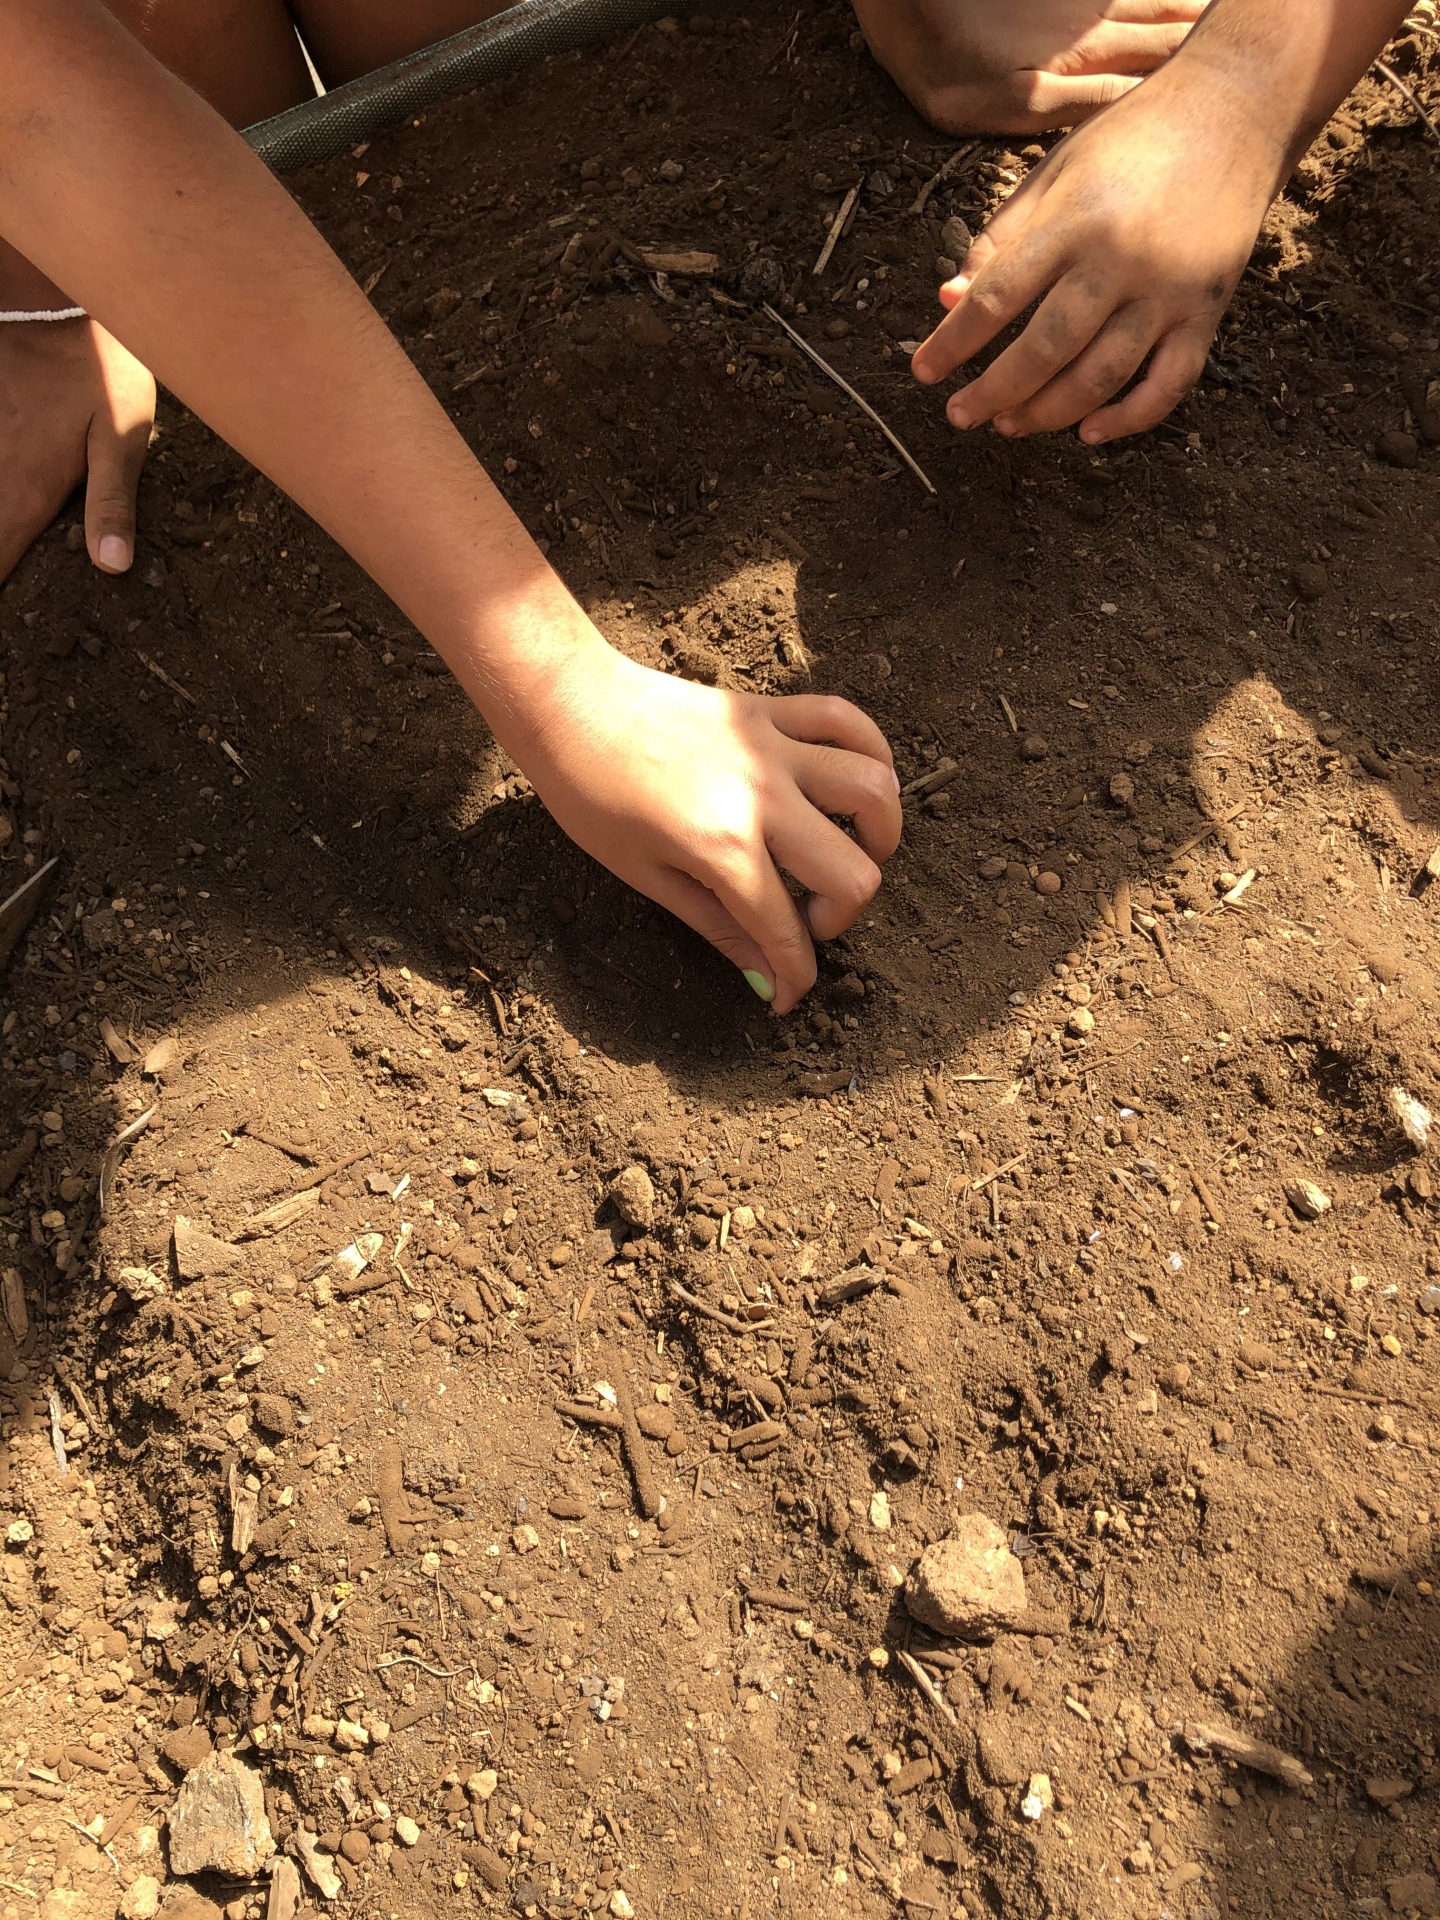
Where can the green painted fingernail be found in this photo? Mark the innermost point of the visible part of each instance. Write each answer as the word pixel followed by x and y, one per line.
pixel 761 985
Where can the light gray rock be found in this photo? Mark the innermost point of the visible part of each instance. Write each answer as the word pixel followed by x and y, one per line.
pixel 218 1821
pixel 967 1583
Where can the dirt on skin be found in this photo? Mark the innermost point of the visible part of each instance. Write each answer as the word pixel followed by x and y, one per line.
pixel 1081 1202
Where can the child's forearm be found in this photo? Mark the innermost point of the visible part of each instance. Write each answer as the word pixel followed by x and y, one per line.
pixel 1297 59
pixel 124 188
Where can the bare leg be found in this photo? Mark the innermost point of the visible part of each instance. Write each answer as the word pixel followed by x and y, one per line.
pixel 349 37
pixel 1020 66
pixel 74 405
pixel 240 55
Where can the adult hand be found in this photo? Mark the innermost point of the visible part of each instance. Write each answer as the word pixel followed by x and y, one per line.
pixel 74 406
pixel 703 799
pixel 1132 236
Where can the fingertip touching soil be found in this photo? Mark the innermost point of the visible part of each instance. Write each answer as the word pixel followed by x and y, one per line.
pixel 474 1385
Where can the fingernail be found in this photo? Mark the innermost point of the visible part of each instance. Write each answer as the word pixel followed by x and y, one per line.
pixel 114 553
pixel 896 778
pixel 761 985
pixel 959 415
pixel 1004 423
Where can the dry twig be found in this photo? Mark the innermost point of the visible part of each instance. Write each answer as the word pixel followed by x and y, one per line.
pixel 1388 72
pixel 927 1686
pixel 707 1312
pixel 922 198
pixel 837 227
pixel 864 405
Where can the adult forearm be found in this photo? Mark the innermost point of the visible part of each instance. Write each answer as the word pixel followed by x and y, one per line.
pixel 1294 59
pixel 130 193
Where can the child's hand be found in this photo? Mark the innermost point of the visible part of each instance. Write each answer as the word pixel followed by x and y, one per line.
pixel 990 66
pixel 1132 237
pixel 74 406
pixel 701 798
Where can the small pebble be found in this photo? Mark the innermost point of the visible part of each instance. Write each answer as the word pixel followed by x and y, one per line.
pixel 406 1831
pixel 1398 449
pixel 1034 746
pixel 1047 881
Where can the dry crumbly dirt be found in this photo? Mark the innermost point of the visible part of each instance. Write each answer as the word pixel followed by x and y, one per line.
pixel 1006 1219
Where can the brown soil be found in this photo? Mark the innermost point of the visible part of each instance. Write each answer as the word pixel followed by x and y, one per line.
pixel 1207 1422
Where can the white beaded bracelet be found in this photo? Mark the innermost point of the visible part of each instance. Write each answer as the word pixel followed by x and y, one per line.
pixel 54 313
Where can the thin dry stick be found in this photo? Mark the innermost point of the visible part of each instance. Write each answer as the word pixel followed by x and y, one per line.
pixel 1008 1166
pixel 864 405
pixel 919 203
pixel 926 1685
pixel 1382 67
pixel 837 227
pixel 707 1312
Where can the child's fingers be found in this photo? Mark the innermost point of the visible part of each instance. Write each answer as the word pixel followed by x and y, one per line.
pixel 865 791
pixel 1100 371
pixel 1119 46
pixel 1067 321
pixel 1061 98
pixel 1151 13
pixel 821 717
pixel 751 895
pixel 840 878
pixel 115 451
pixel 1175 366
pixel 698 907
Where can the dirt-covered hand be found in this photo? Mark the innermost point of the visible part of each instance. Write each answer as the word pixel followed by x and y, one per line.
pixel 74 407
pixel 704 799
pixel 1131 236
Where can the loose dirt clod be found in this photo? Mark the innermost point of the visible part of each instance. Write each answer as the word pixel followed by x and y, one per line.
pixel 647 1493
pixel 392 1500
pixel 968 1583
pixel 633 1192
pixel 201 1256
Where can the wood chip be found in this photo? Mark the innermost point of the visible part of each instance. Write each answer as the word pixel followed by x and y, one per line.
pixel 12 1293
pixel 698 266
pixel 275 1219
pixel 119 1049
pixel 1245 1751
pixel 284 1900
